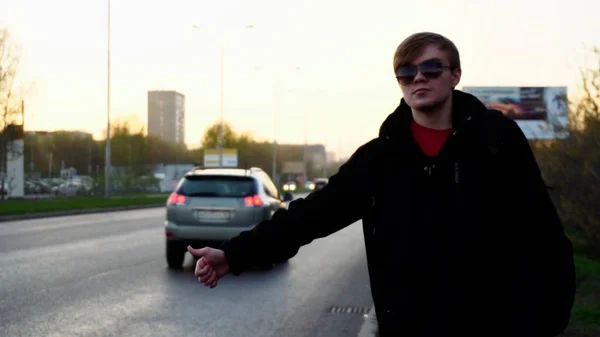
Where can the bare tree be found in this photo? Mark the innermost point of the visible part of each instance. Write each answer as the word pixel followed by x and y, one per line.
pixel 572 165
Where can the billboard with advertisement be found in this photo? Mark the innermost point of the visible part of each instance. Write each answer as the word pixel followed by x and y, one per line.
pixel 540 111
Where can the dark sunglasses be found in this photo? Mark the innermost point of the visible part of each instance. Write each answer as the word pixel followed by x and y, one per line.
pixel 431 69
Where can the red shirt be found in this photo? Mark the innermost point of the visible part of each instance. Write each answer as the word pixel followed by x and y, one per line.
pixel 430 140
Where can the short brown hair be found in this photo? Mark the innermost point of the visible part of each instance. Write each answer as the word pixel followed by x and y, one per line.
pixel 410 48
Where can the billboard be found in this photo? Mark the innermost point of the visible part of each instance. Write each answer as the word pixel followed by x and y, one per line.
pixel 211 158
pixel 541 112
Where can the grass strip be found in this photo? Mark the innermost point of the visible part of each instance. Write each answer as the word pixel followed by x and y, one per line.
pixel 25 206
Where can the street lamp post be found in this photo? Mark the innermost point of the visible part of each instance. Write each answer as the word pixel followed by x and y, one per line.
pixel 275 113
pixel 275 120
pixel 304 156
pixel 221 127
pixel 221 103
pixel 108 154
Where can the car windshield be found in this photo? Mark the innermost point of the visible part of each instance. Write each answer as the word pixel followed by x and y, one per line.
pixel 217 186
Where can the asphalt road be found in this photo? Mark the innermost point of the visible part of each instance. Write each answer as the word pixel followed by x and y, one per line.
pixel 106 275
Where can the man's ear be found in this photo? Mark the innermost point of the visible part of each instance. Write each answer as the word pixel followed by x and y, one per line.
pixel 456 74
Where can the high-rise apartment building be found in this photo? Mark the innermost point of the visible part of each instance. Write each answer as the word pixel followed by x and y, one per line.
pixel 166 116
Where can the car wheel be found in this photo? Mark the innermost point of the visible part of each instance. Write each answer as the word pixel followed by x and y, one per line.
pixel 175 255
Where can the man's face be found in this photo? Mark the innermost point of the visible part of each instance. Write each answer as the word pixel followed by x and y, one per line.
pixel 428 81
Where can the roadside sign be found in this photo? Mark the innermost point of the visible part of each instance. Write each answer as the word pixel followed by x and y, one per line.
pixel 211 158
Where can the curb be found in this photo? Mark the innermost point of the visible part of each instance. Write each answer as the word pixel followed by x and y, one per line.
pixel 30 216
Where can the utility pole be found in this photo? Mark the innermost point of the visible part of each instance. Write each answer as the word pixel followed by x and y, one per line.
pixel 90 160
pixel 304 157
pixel 108 154
pixel 220 142
pixel 221 130
pixel 50 165
pixel 276 112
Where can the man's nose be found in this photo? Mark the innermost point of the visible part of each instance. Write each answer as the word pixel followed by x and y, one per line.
pixel 420 77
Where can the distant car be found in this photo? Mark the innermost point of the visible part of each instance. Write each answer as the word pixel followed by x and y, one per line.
pixel 320 183
pixel 290 186
pixel 213 205
pixel 309 185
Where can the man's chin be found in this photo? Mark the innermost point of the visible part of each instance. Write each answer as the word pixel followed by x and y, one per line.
pixel 425 106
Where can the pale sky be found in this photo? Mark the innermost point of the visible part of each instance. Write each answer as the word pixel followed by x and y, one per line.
pixel 344 48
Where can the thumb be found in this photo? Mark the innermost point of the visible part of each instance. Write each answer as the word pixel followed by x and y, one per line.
pixel 197 252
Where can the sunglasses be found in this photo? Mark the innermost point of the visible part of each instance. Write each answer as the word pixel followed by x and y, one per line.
pixel 431 69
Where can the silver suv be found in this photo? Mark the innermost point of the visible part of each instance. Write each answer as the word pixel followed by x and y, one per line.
pixel 209 206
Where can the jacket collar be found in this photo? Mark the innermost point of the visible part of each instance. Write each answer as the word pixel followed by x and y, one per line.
pixel 465 108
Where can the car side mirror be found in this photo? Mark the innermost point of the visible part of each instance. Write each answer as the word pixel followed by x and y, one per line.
pixel 287 196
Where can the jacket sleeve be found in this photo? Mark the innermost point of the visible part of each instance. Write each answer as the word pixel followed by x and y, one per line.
pixel 546 250
pixel 340 203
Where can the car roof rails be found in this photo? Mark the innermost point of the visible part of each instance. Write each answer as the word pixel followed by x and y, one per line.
pixel 255 169
pixel 194 169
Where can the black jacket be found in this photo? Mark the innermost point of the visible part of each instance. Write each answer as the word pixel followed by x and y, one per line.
pixel 467 244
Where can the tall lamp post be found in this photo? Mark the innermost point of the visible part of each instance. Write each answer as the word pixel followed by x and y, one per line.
pixel 108 154
pixel 275 129
pixel 275 120
pixel 221 103
pixel 304 155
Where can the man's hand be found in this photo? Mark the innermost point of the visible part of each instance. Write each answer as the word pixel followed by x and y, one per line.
pixel 211 266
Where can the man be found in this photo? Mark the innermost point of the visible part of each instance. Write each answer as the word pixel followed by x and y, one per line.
pixel 461 235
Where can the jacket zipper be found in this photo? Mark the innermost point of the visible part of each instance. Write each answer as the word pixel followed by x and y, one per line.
pixel 374 227
pixel 456 175
pixel 429 169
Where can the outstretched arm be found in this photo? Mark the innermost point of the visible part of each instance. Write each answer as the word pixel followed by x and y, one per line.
pixel 340 203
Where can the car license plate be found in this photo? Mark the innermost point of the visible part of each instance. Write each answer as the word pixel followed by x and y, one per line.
pixel 212 215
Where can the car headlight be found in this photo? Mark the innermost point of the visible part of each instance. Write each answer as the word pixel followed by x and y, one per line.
pixel 286 187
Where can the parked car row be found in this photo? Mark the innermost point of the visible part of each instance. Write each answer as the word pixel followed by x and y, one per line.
pixel 59 186
pixel 83 185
